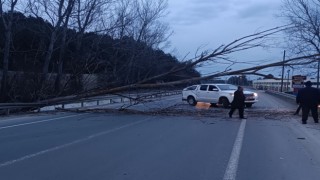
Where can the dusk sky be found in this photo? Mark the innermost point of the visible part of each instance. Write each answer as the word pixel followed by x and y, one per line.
pixel 210 23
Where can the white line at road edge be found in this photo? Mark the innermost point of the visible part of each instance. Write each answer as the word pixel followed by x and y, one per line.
pixel 231 171
pixel 70 144
pixel 36 122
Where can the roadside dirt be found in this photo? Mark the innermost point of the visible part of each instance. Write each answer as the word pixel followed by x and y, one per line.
pixel 201 110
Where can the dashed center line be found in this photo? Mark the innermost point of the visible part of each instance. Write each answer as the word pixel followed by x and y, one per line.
pixel 70 144
pixel 36 122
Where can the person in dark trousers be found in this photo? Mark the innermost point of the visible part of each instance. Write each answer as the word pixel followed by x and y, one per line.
pixel 238 103
pixel 298 110
pixel 308 98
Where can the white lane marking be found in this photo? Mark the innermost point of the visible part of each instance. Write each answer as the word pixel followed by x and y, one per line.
pixel 231 171
pixel 42 121
pixel 70 144
pixel 2 120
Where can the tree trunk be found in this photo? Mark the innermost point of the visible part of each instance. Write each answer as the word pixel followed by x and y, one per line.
pixel 47 59
pixel 6 52
pixel 58 88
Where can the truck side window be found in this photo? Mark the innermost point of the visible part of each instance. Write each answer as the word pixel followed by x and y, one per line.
pixel 212 88
pixel 192 88
pixel 203 87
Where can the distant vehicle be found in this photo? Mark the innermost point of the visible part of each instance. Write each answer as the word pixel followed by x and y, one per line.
pixel 215 94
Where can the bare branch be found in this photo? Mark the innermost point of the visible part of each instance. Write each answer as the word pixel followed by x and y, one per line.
pixel 251 70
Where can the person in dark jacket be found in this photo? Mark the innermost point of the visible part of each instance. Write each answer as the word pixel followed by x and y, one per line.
pixel 308 98
pixel 238 102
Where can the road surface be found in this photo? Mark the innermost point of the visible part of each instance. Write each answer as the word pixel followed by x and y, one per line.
pixel 271 144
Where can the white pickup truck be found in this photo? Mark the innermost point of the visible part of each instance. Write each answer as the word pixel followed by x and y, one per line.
pixel 215 94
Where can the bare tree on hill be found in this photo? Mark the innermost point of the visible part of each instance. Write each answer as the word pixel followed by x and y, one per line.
pixel 58 13
pixel 303 36
pixel 146 28
pixel 7 22
pixel 85 15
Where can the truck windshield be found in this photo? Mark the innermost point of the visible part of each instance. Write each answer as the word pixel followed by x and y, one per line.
pixel 227 87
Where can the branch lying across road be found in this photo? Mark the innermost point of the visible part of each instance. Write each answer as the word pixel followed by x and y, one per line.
pixel 251 70
pixel 244 43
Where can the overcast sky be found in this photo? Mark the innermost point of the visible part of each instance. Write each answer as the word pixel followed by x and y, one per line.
pixel 210 23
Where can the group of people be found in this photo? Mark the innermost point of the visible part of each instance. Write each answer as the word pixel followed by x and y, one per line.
pixel 307 98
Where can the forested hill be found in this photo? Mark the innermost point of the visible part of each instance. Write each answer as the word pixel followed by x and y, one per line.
pixel 116 61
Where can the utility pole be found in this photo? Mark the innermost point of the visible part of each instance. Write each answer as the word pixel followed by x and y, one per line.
pixel 284 56
pixel 288 84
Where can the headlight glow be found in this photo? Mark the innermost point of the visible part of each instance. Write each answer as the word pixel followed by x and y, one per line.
pixel 255 94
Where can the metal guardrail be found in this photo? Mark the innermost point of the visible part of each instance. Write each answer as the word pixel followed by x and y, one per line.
pixel 286 96
pixel 121 98
pixel 6 108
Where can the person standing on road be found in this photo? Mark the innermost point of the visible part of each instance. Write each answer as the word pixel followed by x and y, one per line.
pixel 238 103
pixel 298 110
pixel 308 98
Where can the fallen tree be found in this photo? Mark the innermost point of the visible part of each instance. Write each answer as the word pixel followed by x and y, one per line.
pixel 221 53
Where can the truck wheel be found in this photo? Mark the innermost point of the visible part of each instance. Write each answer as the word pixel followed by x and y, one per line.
pixel 248 105
pixel 191 101
pixel 225 103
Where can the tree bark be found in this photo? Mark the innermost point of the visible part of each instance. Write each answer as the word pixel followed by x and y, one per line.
pixel 60 62
pixel 6 53
pixel 8 33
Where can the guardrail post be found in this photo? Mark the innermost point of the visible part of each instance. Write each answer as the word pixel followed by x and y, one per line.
pixel 81 103
pixel 7 111
pixel 98 102
pixel 62 106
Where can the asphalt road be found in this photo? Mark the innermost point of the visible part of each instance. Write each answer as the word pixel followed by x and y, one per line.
pixel 270 145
